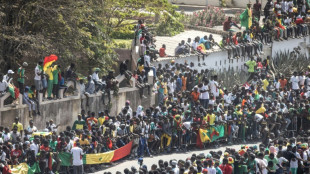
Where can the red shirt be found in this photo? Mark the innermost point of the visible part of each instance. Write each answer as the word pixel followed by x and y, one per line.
pixel 162 52
pixel 16 153
pixel 90 121
pixel 195 95
pixel 46 149
pixel 226 169
pixel 299 21
pixel 235 40
pixel 141 39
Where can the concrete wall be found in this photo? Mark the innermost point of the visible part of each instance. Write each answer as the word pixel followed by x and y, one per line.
pixel 65 111
pixel 219 60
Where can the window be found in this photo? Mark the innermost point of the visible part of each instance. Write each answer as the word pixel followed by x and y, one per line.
pixel 220 62
pixel 224 62
pixel 215 63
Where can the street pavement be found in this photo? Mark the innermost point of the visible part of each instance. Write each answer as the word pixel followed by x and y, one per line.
pixel 167 157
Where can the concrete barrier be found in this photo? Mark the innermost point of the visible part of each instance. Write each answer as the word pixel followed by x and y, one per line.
pixel 64 111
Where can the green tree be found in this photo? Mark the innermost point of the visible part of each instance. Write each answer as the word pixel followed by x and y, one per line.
pixel 71 29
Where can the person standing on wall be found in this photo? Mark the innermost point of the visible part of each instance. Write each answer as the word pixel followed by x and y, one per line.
pixel 21 77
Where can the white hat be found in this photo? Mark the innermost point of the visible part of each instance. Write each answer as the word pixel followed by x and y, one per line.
pixel 10 71
pixel 25 64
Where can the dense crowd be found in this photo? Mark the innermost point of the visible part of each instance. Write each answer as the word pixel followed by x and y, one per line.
pixel 282 20
pixel 191 108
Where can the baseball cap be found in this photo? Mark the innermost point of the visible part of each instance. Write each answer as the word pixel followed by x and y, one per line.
pixel 10 71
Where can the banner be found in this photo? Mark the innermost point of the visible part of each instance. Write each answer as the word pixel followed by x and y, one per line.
pixel 23 168
pixel 65 158
pixel 203 133
pixel 216 132
pixel 122 152
pixel 98 158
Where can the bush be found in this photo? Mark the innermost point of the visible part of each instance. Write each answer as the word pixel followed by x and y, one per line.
pixel 208 17
pixel 125 32
pixel 170 25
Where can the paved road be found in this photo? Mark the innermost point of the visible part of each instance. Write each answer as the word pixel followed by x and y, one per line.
pixel 149 161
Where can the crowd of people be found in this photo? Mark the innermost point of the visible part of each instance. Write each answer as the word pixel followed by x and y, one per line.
pixel 52 81
pixel 273 111
pixel 267 110
pixel 282 20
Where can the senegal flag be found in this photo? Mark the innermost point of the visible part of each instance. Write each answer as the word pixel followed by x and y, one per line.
pixel 48 61
pixel 98 158
pixel 13 91
pixel 203 133
pixel 23 168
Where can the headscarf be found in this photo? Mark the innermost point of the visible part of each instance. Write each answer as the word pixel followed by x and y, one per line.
pixel 140 111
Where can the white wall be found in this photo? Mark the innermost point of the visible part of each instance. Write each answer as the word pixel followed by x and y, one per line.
pixel 290 44
pixel 219 61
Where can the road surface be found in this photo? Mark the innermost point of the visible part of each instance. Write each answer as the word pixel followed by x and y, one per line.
pixel 166 157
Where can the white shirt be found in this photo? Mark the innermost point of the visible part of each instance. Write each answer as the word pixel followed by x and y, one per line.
pixel 204 95
pixel 69 146
pixel 7 78
pixel 3 155
pixel 258 117
pixel 3 85
pixel 195 45
pixel 53 128
pixel 211 170
pixel 294 80
pixel 171 87
pixel 263 164
pixel 281 160
pixel 35 148
pixel 147 60
pixel 227 98
pixel 31 130
pixel 76 156
pixel 302 80
pixel 213 87
pixel 95 77
pixel 284 6
pixel 37 71
pixel 6 137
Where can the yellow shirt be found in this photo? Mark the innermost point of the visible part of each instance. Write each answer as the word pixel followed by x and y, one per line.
pixel 101 120
pixel 211 118
pixel 261 110
pixel 85 142
pixel 265 84
pixel 49 72
pixel 19 126
pixel 165 89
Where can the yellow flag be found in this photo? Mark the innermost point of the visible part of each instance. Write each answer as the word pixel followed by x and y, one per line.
pixel 99 158
pixel 20 169
pixel 203 135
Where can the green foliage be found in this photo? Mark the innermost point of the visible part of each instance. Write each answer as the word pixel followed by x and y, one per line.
pixel 169 25
pixel 122 43
pixel 70 29
pixel 124 32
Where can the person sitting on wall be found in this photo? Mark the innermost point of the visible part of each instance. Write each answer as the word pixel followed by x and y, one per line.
pixel 162 51
pixel 3 86
pixel 229 23
pixel 123 69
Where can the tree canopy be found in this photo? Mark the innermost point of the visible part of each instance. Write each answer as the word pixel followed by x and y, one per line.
pixel 75 30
